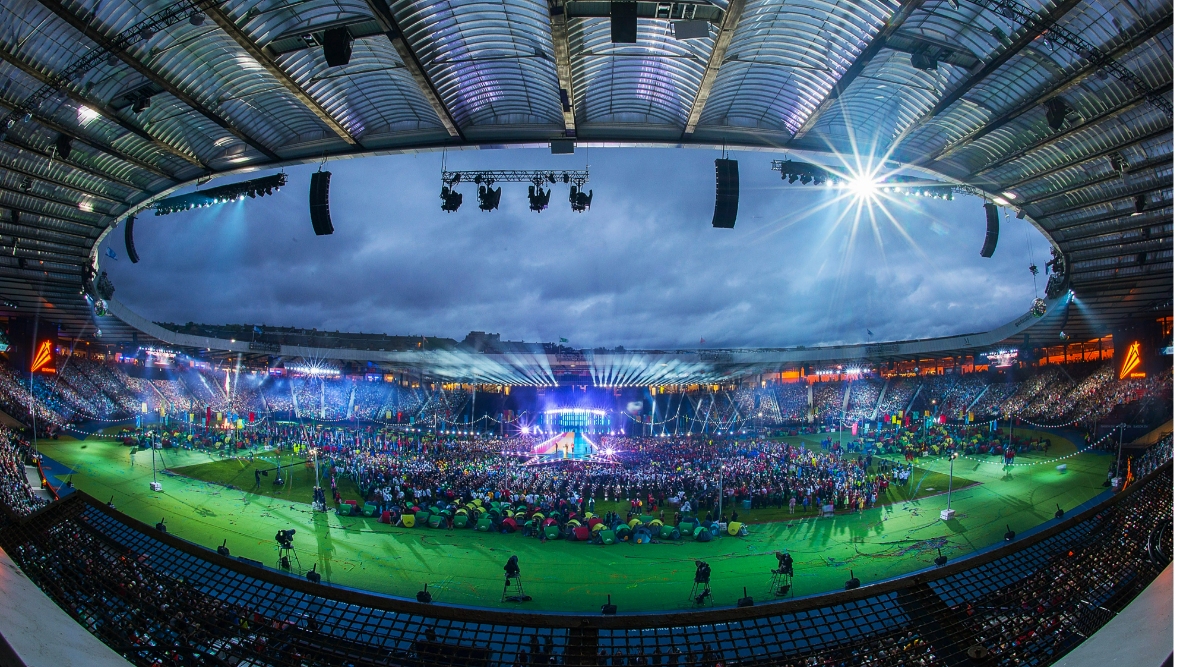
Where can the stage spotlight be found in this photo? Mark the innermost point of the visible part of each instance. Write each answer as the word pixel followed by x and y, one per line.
pixel 538 198
pixel 609 609
pixel 1008 536
pixel 805 179
pixel 489 199
pixel 452 199
pixel 162 527
pixel 580 201
pixel 745 600
pixel 196 19
pixel 312 575
pixel 852 582
pixel 424 595
pixel 223 550
pixel 793 177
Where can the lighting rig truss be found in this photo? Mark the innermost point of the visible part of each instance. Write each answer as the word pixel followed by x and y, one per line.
pixel 489 196
pixel 1055 34
pixel 259 187
pixel 193 10
pixel 909 186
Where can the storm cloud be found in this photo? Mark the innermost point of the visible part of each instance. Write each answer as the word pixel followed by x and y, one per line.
pixel 643 268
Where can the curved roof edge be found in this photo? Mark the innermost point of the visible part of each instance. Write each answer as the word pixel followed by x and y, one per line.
pixel 705 363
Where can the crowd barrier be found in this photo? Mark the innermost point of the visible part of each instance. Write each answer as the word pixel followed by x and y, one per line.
pixel 157 599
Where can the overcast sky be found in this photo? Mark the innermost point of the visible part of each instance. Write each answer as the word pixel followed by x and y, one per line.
pixel 642 268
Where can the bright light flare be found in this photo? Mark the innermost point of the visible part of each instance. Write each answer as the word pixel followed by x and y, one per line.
pixel 863 186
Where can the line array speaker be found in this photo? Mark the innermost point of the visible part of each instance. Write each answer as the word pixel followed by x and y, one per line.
pixel 725 210
pixel 624 22
pixel 993 230
pixel 321 218
pixel 337 46
pixel 64 146
pixel 129 241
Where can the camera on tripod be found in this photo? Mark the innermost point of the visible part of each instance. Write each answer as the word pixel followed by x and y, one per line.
pixel 512 569
pixel 285 537
pixel 786 564
pixel 703 572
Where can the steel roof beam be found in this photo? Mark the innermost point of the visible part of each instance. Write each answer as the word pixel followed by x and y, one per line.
pixel 73 164
pixel 83 227
pixel 1105 151
pixel 29 250
pixel 1128 46
pixel 1031 32
pixel 97 37
pixel 60 183
pixel 1146 269
pixel 49 200
pixel 1106 200
pixel 1143 166
pixel 12 269
pixel 1117 215
pixel 230 28
pixel 400 44
pixel 95 144
pixel 733 14
pixel 559 29
pixel 1128 249
pixel 1086 123
pixel 861 61
pixel 107 112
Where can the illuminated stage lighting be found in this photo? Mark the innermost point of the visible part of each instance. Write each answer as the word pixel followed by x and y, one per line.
pixel 489 198
pixel 258 187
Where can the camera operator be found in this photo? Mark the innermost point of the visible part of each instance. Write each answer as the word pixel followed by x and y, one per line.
pixel 703 572
pixel 511 569
pixel 786 564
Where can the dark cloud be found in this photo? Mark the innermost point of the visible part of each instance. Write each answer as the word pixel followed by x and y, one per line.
pixel 643 268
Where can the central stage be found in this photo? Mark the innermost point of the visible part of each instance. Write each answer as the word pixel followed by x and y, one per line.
pixel 569 446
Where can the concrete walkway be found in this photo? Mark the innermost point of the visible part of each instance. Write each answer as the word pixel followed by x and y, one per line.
pixel 39 633
pixel 1140 636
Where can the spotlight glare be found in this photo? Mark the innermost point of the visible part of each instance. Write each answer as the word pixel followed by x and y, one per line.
pixel 862 186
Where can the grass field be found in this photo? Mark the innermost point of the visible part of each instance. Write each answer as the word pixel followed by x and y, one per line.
pixel 464 567
pixel 238 472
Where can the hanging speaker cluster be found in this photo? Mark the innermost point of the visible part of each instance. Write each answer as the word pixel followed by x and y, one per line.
pixel 725 208
pixel 337 46
pixel 129 241
pixel 624 22
pixel 321 218
pixel 993 230
pixel 64 146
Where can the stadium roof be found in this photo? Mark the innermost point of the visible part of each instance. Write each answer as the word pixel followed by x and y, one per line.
pixel 115 103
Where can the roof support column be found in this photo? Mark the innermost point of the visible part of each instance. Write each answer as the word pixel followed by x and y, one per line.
pixel 724 36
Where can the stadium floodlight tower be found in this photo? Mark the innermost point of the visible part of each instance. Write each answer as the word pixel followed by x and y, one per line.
pixel 948 513
pixel 155 485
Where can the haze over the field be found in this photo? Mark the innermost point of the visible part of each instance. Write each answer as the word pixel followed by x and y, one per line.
pixel 642 268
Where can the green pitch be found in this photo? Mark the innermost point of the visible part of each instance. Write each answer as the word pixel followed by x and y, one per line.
pixel 464 567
